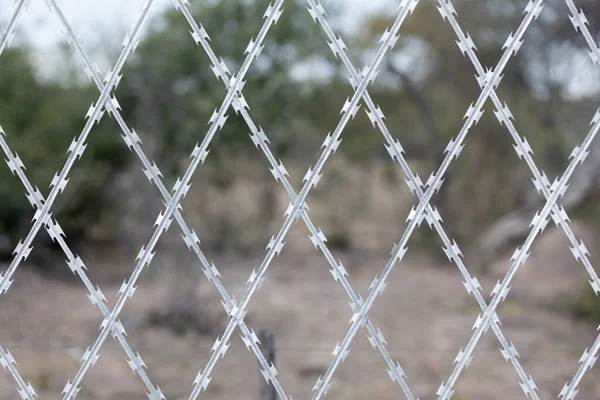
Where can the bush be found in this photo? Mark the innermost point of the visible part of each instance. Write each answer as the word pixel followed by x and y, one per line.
pixel 40 119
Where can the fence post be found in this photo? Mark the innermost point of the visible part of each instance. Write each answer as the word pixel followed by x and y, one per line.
pixel 267 346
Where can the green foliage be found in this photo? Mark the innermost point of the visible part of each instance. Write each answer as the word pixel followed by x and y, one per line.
pixel 182 92
pixel 40 121
pixel 169 93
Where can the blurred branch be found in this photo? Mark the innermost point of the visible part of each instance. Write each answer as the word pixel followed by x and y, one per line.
pixel 514 227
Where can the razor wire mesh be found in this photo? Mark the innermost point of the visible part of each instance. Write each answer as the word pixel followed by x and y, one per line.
pixel 360 79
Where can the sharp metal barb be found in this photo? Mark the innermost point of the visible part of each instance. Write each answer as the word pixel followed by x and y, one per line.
pixel 154 176
pixel 269 372
pixel 8 35
pixel 589 358
pixel 504 115
pixel 413 181
pixel 25 389
pixel 60 180
pixel 558 215
pixel 488 80
pixel 277 242
pixel 198 155
pixel 260 139
pixel 417 215
pixel 388 40
pixel 78 267
pixel 74 262
pixel 533 9
pixel 519 258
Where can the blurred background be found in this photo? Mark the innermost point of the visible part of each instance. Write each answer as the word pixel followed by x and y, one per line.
pixel 295 91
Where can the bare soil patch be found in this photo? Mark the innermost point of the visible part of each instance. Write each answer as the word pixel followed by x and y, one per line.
pixel 425 315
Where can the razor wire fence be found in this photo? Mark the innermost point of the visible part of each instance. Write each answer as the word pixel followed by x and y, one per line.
pixel 423 188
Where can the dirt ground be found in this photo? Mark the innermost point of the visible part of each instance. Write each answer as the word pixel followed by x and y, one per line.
pixel 425 314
